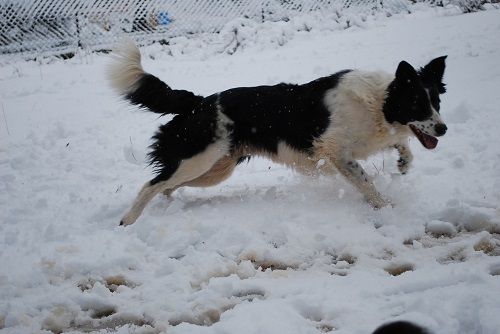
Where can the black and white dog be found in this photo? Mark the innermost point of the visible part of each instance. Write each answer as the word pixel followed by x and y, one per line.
pixel 320 127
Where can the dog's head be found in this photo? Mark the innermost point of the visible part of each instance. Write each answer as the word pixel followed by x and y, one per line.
pixel 413 100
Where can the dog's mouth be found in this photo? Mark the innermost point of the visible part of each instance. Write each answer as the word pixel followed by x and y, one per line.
pixel 428 141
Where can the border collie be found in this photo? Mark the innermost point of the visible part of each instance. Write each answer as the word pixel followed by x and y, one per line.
pixel 320 127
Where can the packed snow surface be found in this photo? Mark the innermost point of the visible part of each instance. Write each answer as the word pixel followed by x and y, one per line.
pixel 268 251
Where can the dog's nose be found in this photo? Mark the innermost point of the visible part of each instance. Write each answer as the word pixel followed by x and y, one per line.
pixel 440 129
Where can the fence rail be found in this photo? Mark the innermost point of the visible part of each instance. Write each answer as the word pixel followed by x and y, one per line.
pixel 64 26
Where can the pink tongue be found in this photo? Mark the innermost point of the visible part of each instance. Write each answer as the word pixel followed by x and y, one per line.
pixel 429 142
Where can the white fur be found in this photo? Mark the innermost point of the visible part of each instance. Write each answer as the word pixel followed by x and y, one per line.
pixel 358 127
pixel 126 69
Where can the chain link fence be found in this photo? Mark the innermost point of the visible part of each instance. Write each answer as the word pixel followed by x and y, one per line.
pixel 59 27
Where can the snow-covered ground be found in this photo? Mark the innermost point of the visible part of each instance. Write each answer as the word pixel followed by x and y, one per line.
pixel 268 251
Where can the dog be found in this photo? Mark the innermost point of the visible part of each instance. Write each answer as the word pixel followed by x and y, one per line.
pixel 321 127
pixel 401 327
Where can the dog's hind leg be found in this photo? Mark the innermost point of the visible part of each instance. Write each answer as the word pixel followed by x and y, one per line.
pixel 219 172
pixel 148 191
pixel 188 170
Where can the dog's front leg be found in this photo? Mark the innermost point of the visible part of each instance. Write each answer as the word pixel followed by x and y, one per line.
pixel 405 157
pixel 355 174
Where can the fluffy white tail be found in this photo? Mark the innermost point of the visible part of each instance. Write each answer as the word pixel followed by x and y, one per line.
pixel 143 89
pixel 126 69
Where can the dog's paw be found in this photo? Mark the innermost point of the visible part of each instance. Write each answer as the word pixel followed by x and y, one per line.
pixel 403 165
pixel 128 220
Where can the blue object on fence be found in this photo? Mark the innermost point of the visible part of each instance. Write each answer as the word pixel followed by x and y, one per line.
pixel 164 19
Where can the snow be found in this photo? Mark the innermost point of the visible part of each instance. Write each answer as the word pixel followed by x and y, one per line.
pixel 268 251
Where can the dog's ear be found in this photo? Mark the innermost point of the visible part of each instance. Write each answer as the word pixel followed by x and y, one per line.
pixel 406 74
pixel 433 73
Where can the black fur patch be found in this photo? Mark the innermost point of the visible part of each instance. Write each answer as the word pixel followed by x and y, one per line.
pixel 407 98
pixel 400 327
pixel 181 138
pixel 432 79
pixel 264 116
pixel 157 96
pixel 432 74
